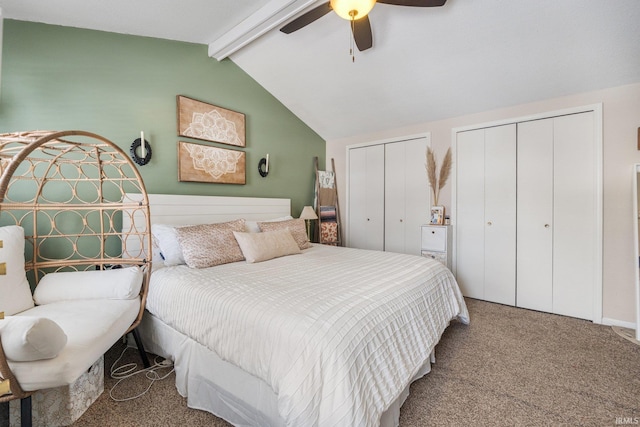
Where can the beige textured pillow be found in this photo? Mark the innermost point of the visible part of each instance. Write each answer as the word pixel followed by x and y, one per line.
pixel 210 244
pixel 257 247
pixel 295 226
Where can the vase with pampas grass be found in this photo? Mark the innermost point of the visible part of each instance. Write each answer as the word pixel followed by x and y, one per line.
pixel 437 180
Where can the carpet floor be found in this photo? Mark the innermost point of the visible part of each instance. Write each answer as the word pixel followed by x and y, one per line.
pixel 509 367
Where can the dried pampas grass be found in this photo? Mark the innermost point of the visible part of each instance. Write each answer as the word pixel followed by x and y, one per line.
pixel 437 181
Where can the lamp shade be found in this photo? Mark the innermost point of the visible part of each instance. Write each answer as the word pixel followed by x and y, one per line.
pixel 352 9
pixel 308 213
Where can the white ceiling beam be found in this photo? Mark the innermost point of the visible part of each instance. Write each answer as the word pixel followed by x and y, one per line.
pixel 266 18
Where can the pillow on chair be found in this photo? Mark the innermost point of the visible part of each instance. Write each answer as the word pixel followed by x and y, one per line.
pixel 119 283
pixel 14 287
pixel 26 338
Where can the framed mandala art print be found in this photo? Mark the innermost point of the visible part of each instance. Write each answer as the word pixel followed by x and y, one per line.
pixel 199 120
pixel 204 163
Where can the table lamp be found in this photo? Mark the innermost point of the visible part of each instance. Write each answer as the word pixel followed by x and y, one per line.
pixel 308 214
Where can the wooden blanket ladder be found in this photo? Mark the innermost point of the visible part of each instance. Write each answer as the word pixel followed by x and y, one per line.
pixel 329 229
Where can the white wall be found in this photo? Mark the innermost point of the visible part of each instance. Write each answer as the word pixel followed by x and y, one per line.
pixel 621 109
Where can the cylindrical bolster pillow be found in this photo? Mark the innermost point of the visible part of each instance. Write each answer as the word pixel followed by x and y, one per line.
pixel 120 283
pixel 27 338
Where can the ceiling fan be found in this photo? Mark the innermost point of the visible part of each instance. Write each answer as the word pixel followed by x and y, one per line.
pixel 355 11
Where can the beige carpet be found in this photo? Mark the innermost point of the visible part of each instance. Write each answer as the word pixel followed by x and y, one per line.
pixel 510 367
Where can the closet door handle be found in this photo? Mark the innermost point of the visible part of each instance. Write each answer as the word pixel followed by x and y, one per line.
pixel 547 226
pixel 489 223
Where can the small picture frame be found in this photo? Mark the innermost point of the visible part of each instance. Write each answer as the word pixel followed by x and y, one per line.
pixel 437 215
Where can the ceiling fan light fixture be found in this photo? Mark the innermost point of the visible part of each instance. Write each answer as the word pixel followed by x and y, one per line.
pixel 352 9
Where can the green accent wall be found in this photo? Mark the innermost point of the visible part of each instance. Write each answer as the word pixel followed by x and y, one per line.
pixel 115 85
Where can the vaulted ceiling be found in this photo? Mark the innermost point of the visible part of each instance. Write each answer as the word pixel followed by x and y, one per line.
pixel 426 63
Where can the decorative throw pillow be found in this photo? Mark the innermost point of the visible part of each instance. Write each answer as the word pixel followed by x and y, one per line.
pixel 28 338
pixel 15 293
pixel 166 237
pixel 295 226
pixel 257 247
pixel 253 227
pixel 119 283
pixel 210 244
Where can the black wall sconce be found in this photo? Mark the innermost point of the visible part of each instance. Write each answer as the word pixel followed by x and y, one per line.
pixel 263 166
pixel 145 150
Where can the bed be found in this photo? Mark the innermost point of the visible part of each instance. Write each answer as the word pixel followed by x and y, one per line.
pixel 328 336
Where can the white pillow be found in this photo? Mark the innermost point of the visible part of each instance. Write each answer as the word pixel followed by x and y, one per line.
pixel 120 283
pixel 257 247
pixel 28 338
pixel 15 293
pixel 253 227
pixel 170 249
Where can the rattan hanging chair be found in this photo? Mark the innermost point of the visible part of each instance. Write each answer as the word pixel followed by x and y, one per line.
pixel 69 190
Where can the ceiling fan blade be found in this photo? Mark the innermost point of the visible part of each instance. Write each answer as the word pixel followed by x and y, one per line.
pixel 362 33
pixel 307 18
pixel 415 3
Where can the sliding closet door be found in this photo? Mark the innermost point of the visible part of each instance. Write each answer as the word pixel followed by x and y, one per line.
pixel 557 215
pixel 500 214
pixel 470 172
pixel 549 170
pixel 394 190
pixel 406 195
pixel 535 215
pixel 575 215
pixel 366 197
pixel 486 213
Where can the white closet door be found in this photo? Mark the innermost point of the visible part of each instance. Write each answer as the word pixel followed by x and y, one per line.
pixel 395 193
pixel 357 197
pixel 470 225
pixel 366 197
pixel 535 215
pixel 500 214
pixel 406 195
pixel 575 215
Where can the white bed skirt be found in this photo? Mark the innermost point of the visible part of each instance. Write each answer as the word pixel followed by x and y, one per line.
pixel 213 385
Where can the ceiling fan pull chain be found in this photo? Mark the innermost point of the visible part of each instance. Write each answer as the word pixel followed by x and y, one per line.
pixel 353 26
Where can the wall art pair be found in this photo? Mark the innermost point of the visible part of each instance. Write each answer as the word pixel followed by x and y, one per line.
pixel 207 163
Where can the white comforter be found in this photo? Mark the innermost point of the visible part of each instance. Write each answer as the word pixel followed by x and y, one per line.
pixel 338 333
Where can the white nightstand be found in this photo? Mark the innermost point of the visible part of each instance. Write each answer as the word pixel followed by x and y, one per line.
pixel 436 243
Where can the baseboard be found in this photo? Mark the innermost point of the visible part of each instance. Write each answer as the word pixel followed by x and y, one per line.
pixel 614 322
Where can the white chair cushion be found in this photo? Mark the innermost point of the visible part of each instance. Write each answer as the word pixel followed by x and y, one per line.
pixel 120 283
pixel 27 338
pixel 14 287
pixel 103 323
